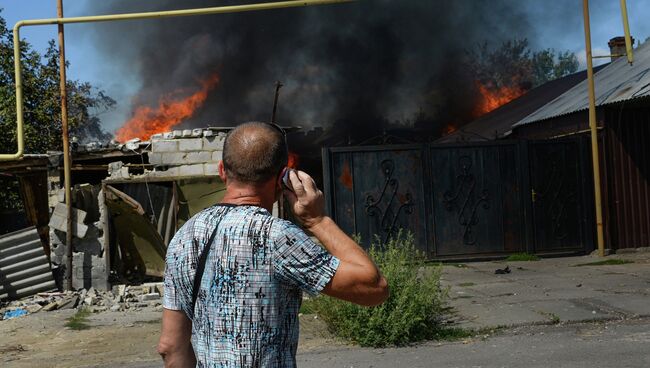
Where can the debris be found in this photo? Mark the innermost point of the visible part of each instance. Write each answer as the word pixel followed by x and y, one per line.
pixel 500 271
pixel 14 313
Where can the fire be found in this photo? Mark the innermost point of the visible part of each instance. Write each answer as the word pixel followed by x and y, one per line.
pixel 147 121
pixel 450 129
pixel 293 161
pixel 493 98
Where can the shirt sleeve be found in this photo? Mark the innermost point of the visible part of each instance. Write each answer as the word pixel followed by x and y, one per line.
pixel 301 262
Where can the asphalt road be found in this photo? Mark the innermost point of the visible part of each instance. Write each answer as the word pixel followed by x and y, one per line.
pixel 618 344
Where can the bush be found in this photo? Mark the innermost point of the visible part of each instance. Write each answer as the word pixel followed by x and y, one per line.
pixel 413 311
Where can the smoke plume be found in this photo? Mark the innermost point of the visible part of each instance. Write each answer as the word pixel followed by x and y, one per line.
pixel 353 67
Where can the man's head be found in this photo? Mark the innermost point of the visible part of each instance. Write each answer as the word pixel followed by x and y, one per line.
pixel 254 153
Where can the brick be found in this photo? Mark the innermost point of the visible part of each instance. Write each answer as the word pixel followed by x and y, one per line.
pixel 211 169
pixel 191 144
pixel 217 156
pixel 213 143
pixel 197 132
pixel 177 133
pixel 191 170
pixel 187 133
pixel 164 146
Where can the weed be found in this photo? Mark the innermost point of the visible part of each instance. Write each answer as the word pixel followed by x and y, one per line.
pixel 412 313
pixel 79 320
pixel 554 318
pixel 522 257
pixel 608 262
pixel 466 284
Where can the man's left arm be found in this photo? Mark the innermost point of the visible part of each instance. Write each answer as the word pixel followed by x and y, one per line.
pixel 175 345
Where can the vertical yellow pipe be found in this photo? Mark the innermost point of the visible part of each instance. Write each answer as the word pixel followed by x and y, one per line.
pixel 594 132
pixel 626 29
pixel 18 70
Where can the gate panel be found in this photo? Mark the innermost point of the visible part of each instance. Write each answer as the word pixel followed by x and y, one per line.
pixel 379 191
pixel 556 193
pixel 476 200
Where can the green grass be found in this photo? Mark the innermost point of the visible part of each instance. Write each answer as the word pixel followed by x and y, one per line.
pixel 79 320
pixel 608 262
pixel 554 318
pixel 307 307
pixel 522 257
pixel 466 284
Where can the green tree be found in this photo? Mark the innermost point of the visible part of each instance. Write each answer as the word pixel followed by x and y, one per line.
pixel 42 106
pixel 42 99
pixel 513 65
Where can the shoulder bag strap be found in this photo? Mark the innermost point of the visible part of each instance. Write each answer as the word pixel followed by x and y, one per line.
pixel 203 258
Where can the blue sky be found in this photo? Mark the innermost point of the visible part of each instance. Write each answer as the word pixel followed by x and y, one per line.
pixel 559 28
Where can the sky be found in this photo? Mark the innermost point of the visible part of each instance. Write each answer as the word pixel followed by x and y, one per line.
pixel 560 28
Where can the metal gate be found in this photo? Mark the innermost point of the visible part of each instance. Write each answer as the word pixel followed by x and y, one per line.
pixel 467 200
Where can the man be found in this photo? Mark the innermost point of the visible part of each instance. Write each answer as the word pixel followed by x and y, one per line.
pixel 246 309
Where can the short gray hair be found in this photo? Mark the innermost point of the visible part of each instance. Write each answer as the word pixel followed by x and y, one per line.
pixel 254 152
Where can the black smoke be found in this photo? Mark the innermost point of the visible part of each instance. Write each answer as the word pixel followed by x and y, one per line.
pixel 356 69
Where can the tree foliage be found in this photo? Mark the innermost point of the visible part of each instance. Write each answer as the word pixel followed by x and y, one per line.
pixel 513 64
pixel 42 106
pixel 42 103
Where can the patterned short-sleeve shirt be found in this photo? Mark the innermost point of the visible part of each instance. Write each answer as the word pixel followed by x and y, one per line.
pixel 246 313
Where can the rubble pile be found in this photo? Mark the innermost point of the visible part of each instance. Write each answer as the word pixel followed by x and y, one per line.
pixel 120 298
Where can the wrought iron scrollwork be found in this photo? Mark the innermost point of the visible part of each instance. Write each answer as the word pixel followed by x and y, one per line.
pixel 383 206
pixel 556 197
pixel 465 200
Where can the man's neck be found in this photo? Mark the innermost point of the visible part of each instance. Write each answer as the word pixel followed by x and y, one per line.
pixel 262 195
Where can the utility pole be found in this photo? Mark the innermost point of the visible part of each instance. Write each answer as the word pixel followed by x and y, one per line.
pixel 66 150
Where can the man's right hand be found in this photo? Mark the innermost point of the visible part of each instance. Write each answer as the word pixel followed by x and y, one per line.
pixel 306 200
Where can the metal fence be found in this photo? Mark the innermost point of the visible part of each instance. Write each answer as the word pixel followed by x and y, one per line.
pixel 465 200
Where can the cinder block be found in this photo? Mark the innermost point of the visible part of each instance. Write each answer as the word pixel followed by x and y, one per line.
pixel 89 271
pixel 217 156
pixel 155 158
pixel 187 133
pixel 213 143
pixel 190 144
pixel 164 146
pixel 191 170
pixel 197 132
pixel 58 220
pixel 211 169
pixel 177 133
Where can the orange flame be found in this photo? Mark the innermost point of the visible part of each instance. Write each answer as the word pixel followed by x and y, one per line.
pixel 450 129
pixel 147 121
pixel 493 98
pixel 293 161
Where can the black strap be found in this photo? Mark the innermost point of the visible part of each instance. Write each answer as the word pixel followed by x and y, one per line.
pixel 203 258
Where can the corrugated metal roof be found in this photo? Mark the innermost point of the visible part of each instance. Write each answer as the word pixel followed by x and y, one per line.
pixel 24 268
pixel 618 82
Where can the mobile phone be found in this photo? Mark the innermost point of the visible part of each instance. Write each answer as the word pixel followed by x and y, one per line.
pixel 285 178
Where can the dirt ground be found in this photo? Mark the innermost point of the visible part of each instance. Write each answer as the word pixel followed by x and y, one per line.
pixel 113 339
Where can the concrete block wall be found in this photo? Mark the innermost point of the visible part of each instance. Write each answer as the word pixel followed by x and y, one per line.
pixel 186 153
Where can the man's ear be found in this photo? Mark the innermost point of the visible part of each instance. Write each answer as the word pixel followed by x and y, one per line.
pixel 222 172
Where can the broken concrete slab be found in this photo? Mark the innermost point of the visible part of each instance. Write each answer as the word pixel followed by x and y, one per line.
pixel 58 220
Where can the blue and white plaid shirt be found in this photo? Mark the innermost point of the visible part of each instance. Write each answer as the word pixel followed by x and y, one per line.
pixel 246 313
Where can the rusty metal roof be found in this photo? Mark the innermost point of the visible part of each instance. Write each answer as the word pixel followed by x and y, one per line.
pixel 616 83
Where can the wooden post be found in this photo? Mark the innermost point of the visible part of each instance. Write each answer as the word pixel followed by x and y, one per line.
pixel 67 182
